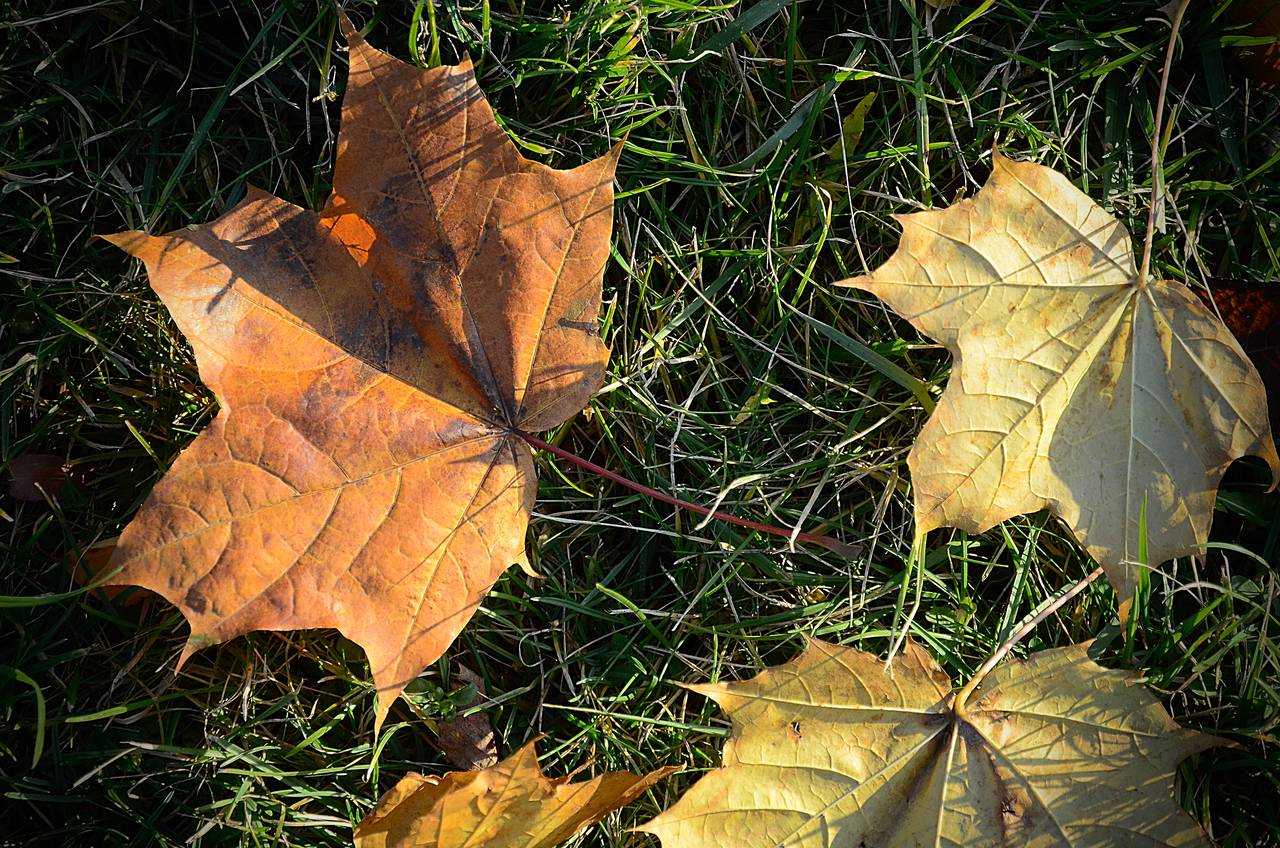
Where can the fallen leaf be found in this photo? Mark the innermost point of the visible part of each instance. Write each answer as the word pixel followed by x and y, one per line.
pixel 510 805
pixel 1251 312
pixel 1261 20
pixel 467 741
pixel 88 564
pixel 37 476
pixel 831 749
pixel 372 363
pixel 1076 387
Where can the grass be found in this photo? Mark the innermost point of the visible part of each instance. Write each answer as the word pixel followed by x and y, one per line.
pixel 738 372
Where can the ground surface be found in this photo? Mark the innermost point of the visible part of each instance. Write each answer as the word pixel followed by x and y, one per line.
pixel 738 208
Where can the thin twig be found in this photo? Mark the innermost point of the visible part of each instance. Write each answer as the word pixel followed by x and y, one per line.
pixel 1017 637
pixel 812 538
pixel 1157 184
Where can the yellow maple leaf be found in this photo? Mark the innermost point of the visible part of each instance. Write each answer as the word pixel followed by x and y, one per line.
pixel 1076 387
pixel 831 750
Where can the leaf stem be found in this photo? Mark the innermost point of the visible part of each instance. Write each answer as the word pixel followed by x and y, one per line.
pixel 1157 182
pixel 812 538
pixel 963 697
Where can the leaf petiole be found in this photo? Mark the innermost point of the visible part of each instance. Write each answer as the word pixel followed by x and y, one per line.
pixel 1157 181
pixel 992 661
pixel 827 542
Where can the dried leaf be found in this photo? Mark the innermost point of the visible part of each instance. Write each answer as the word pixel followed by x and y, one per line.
pixel 1076 387
pixel 831 749
pixel 1251 312
pixel 467 741
pixel 37 476
pixel 1262 21
pixel 371 363
pixel 88 564
pixel 851 129
pixel 510 805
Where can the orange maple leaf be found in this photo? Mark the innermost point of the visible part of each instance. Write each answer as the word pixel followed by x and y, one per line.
pixel 510 804
pixel 373 364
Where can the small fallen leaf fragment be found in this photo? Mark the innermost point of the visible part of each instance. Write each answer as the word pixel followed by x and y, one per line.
pixel 1262 20
pixel 1076 387
pixel 1252 312
pixel 830 750
pixel 90 563
pixel 851 129
pixel 372 363
pixel 467 741
pixel 509 805
pixel 36 476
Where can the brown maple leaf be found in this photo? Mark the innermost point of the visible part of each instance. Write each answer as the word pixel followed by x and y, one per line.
pixel 373 364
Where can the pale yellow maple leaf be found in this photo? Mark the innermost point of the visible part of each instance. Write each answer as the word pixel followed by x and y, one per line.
pixel 831 750
pixel 1076 386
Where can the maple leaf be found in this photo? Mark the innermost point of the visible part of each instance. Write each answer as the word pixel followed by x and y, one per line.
pixel 372 364
pixel 508 805
pixel 1251 312
pixel 1076 386
pixel 833 750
